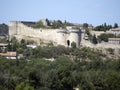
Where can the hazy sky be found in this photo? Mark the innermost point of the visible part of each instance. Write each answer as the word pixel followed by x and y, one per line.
pixel 94 12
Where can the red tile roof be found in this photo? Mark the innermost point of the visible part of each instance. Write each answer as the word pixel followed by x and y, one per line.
pixel 9 54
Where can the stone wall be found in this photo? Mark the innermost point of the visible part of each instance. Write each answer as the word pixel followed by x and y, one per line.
pixel 56 36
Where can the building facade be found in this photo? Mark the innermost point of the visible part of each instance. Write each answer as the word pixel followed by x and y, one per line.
pixel 115 31
pixel 115 41
pixel 22 30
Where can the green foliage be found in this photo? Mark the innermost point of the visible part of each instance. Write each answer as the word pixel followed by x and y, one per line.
pixel 103 27
pixel 39 24
pixel 85 25
pixel 3 29
pixel 22 86
pixel 58 24
pixel 48 22
pixel 94 40
pixel 14 44
pixel 110 50
pixel 47 52
pixel 115 25
pixel 51 24
pixel 85 68
pixel 104 37
pixel 4 40
pixel 87 31
pixel 73 45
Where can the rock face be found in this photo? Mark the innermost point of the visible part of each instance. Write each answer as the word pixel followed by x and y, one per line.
pixel 56 36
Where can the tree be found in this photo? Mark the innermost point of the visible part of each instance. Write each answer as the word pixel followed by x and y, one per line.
pixel 58 24
pixel 104 37
pixel 104 27
pixel 3 29
pixel 73 45
pixel 52 80
pixel 48 22
pixel 35 79
pixel 94 40
pixel 14 44
pixel 115 25
pixel 23 43
pixel 112 80
pixel 39 24
pixel 85 25
pixel 23 86
pixel 110 50
pixel 66 79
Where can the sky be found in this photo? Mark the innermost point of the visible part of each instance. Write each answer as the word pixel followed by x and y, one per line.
pixel 95 12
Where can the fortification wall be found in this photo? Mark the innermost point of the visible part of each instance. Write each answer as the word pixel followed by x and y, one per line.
pixel 61 37
pixel 20 30
pixel 56 36
pixel 45 34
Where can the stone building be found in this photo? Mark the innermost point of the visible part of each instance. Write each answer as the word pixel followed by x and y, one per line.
pixel 115 41
pixel 115 31
pixel 22 30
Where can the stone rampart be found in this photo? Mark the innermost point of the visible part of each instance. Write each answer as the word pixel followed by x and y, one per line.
pixel 58 36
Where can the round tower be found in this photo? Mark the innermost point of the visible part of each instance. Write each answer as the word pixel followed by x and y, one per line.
pixel 61 37
pixel 74 36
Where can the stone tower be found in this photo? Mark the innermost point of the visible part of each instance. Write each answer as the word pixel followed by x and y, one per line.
pixel 74 36
pixel 13 26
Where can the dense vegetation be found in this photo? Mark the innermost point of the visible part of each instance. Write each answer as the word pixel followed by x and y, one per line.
pixel 104 37
pixel 3 29
pixel 104 27
pixel 51 24
pixel 84 68
pixel 3 33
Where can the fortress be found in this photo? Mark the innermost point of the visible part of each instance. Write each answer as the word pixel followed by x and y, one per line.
pixel 23 30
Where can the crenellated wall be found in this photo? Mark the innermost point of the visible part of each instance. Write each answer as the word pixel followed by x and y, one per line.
pixel 58 36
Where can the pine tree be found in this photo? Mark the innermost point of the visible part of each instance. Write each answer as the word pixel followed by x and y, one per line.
pixel 115 25
pixel 94 39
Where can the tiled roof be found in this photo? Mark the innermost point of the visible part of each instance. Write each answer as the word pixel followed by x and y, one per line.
pixel 9 54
